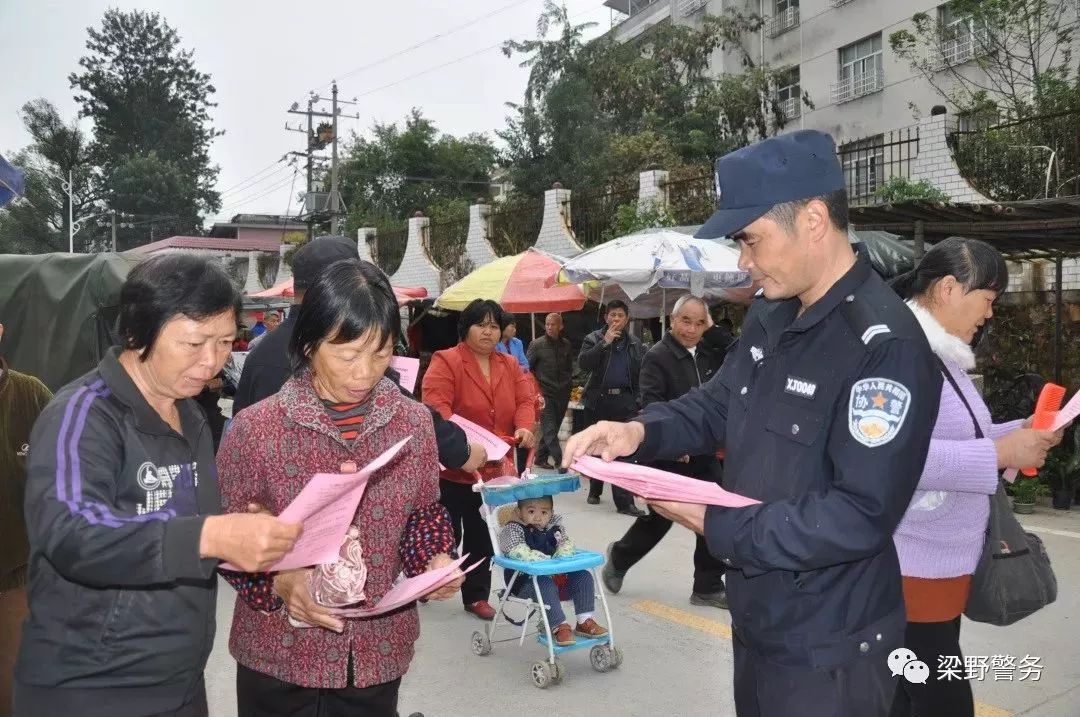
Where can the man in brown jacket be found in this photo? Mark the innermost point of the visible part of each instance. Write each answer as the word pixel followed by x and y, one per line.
pixel 21 399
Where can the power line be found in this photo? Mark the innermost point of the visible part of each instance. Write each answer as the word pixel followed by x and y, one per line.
pixel 252 183
pixel 240 202
pixel 242 181
pixel 429 40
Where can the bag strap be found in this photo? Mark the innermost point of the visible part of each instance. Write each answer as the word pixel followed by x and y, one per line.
pixel 963 399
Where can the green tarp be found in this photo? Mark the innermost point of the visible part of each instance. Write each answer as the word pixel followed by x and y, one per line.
pixel 59 310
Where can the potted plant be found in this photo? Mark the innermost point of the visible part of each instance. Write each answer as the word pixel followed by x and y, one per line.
pixel 1024 491
pixel 1063 467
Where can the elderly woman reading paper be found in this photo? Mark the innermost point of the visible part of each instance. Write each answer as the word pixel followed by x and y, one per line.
pixel 337 409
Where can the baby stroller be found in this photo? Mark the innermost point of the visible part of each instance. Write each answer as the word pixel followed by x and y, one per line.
pixel 603 655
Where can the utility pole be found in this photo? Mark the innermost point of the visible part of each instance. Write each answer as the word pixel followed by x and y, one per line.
pixel 113 214
pixel 316 140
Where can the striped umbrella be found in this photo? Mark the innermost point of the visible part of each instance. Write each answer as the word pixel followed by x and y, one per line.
pixel 517 283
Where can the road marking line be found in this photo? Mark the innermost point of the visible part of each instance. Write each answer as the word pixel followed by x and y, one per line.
pixel 721 629
pixel 683 617
pixel 1052 531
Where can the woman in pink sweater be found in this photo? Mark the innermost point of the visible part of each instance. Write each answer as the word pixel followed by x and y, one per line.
pixel 941 536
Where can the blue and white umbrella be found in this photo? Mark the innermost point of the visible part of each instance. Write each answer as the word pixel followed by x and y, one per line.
pixel 12 182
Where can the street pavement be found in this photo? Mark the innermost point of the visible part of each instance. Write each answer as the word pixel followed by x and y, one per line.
pixel 677 657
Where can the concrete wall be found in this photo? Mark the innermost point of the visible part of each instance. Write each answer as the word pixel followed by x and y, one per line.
pixel 417 269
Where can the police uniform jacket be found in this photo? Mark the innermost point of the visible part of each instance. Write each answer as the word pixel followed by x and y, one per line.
pixel 826 419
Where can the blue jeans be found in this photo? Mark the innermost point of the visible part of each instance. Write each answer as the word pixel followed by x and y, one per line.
pixel 580 586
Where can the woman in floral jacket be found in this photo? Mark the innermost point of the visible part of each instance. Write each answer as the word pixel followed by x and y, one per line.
pixel 336 409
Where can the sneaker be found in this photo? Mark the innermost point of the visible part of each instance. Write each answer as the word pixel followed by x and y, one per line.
pixel 590 628
pixel 717 599
pixel 612 578
pixel 563 635
pixel 633 511
pixel 482 609
pixel 592 500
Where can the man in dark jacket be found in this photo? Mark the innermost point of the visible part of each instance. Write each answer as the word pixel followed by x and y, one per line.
pixel 267 366
pixel 551 360
pixel 613 358
pixel 687 357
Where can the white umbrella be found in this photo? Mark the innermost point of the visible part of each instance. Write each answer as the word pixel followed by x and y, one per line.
pixel 658 261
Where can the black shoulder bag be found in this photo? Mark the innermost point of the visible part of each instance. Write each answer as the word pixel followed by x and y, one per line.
pixel 1013 578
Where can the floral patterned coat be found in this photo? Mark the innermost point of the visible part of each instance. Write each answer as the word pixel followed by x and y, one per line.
pixel 267 455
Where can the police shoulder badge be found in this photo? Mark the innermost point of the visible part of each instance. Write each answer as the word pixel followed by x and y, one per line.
pixel 877 410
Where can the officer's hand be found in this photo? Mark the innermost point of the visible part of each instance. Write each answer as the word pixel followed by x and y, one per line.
pixel 607 439
pixel 1025 448
pixel 688 515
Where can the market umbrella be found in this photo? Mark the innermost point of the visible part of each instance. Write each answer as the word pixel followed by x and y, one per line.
pixel 284 289
pixel 12 182
pixel 652 268
pixel 517 283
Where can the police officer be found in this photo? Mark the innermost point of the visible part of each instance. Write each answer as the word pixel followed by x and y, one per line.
pixel 825 408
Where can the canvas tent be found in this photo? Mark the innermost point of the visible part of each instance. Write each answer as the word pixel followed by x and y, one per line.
pixel 59 311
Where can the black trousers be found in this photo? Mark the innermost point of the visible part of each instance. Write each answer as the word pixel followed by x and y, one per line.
pixel 647 532
pixel 259 695
pixel 470 531
pixel 551 419
pixel 609 407
pixel 862 688
pixel 931 641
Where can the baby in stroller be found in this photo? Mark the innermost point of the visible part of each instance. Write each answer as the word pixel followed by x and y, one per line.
pixel 534 532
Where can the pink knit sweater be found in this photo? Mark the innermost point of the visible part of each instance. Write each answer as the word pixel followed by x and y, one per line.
pixel 942 533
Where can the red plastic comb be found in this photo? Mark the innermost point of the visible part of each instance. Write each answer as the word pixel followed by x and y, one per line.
pixel 1046 409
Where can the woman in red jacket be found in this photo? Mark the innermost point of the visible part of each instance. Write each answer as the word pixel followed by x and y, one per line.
pixel 478 383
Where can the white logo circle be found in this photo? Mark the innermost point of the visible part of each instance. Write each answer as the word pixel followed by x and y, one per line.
pixel 147 476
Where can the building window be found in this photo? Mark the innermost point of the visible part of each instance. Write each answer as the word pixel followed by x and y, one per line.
pixel 863 162
pixel 785 17
pixel 861 71
pixel 961 37
pixel 789 94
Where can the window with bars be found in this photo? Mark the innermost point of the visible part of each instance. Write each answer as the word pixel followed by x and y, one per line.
pixel 785 16
pixel 863 162
pixel 861 70
pixel 789 93
pixel 961 37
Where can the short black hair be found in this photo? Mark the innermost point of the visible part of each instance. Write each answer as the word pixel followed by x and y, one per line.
pixel 168 285
pixel 348 299
pixel 616 304
pixel 476 312
pixel 836 202
pixel 973 263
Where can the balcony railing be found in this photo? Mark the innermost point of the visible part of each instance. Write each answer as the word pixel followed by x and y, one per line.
pixel 964 47
pixel 859 85
pixel 791 108
pixel 839 3
pixel 783 21
pixel 689 7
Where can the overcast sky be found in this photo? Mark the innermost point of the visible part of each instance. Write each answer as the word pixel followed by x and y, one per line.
pixel 263 56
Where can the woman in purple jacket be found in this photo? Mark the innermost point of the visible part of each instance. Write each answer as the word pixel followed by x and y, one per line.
pixel 941 536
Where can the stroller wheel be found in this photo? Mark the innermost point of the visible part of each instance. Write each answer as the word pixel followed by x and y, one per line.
pixel 616 657
pixel 481 644
pixel 601 658
pixel 558 673
pixel 543 674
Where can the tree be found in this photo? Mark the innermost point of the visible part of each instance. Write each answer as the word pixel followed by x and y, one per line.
pixel 1008 66
pixel 399 170
pixel 152 128
pixel 902 189
pixel 585 102
pixel 38 223
pixel 1009 57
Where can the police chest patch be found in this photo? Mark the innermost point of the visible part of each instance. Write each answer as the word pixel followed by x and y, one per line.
pixel 877 410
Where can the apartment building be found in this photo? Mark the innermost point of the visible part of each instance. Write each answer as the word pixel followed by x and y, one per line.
pixel 838 55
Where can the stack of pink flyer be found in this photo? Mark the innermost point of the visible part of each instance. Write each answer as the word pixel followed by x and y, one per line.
pixel 655 484
pixel 409 590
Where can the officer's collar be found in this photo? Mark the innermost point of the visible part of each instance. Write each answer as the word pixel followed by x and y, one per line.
pixel 786 311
